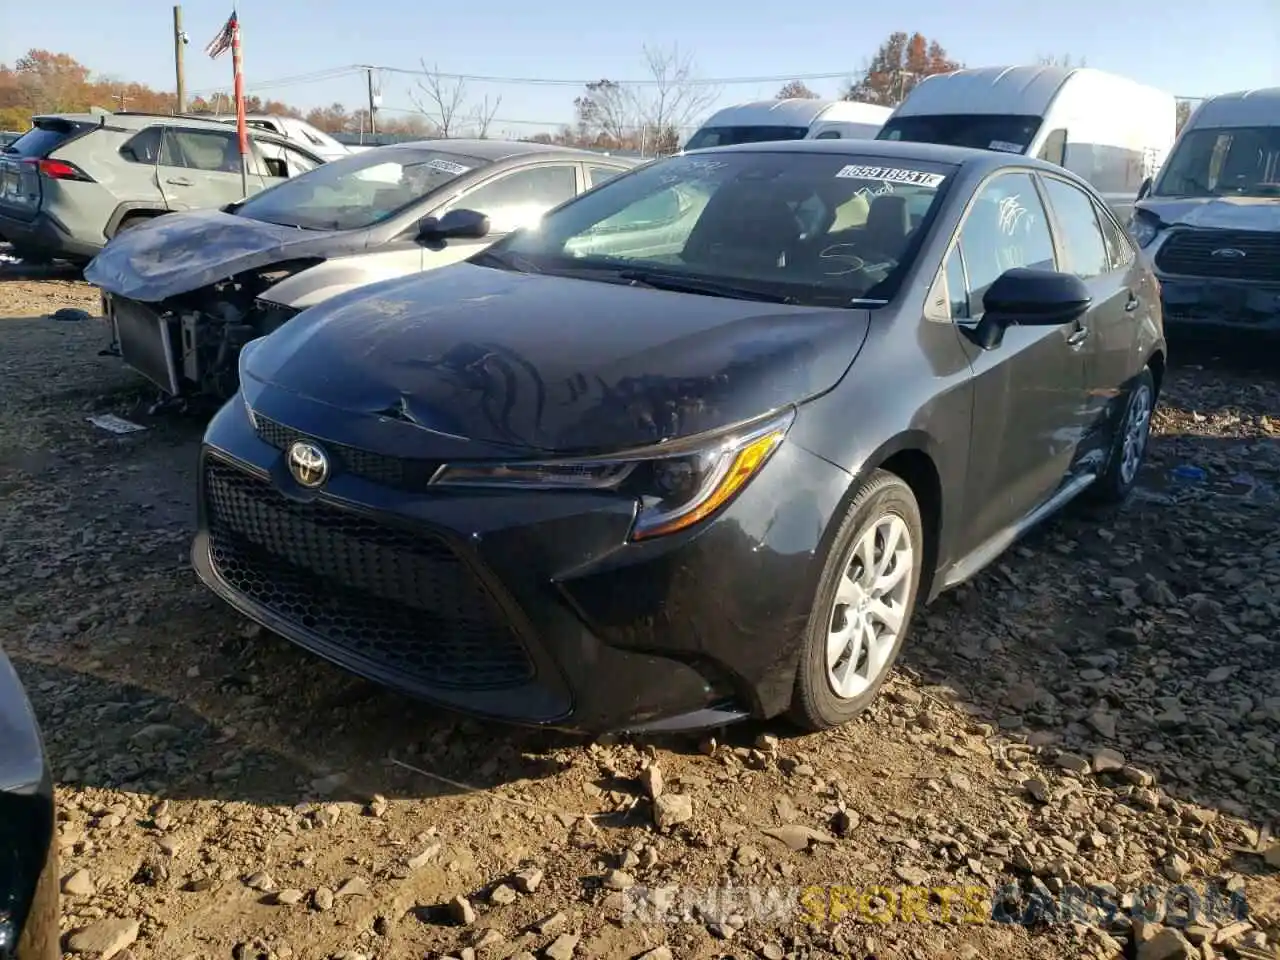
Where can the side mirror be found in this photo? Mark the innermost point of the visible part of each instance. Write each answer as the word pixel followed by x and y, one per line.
pixel 1145 188
pixel 454 225
pixel 1023 297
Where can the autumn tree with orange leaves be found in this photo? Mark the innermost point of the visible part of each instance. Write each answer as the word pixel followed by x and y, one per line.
pixel 47 82
pixel 902 61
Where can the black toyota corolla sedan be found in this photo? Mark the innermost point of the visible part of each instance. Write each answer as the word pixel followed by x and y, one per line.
pixel 28 849
pixel 693 448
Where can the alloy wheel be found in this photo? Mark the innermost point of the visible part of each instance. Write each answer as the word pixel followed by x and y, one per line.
pixel 1137 428
pixel 869 610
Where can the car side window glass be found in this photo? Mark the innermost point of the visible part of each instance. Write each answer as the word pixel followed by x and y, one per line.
pixel 957 286
pixel 281 161
pixel 1087 255
pixel 520 199
pixel 1005 227
pixel 828 135
pixel 144 147
pixel 1119 249
pixel 598 175
pixel 208 150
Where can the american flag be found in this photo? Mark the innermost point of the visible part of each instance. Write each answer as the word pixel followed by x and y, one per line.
pixel 222 42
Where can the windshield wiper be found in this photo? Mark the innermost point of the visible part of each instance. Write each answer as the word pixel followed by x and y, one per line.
pixel 709 288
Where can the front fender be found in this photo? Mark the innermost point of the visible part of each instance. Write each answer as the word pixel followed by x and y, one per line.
pixel 338 275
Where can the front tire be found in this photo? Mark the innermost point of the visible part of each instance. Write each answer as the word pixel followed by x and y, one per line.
pixel 1129 447
pixel 863 606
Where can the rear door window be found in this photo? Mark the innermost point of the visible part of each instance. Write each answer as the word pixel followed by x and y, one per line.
pixel 145 147
pixel 1078 229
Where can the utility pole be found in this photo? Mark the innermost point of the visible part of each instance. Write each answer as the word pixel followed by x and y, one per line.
pixel 373 102
pixel 122 99
pixel 179 43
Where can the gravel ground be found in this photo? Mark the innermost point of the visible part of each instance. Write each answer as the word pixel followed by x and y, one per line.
pixel 1098 711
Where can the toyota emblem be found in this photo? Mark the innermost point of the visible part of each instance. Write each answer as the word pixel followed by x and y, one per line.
pixel 308 464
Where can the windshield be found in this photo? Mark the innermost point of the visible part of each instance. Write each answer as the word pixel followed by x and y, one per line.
pixel 728 136
pixel 809 228
pixel 358 191
pixel 1223 161
pixel 981 131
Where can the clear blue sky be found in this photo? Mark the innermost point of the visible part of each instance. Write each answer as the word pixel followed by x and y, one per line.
pixel 1187 47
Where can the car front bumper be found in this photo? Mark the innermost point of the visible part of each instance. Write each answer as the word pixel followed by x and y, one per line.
pixel 1195 304
pixel 529 607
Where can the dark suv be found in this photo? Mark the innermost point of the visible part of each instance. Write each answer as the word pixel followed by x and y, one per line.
pixel 73 181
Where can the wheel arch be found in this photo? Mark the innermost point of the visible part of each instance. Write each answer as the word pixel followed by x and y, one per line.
pixel 130 209
pixel 1156 361
pixel 912 456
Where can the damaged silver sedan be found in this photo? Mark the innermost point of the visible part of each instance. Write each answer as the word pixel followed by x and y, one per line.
pixel 183 293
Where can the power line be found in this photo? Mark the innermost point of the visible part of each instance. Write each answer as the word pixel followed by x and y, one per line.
pixel 549 82
pixel 316 76
pixel 332 73
pixel 500 121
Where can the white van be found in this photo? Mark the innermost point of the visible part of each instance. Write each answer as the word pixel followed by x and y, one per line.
pixel 1210 222
pixel 1107 129
pixel 794 119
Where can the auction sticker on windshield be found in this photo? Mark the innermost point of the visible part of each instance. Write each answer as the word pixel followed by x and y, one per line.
pixel 448 166
pixel 916 178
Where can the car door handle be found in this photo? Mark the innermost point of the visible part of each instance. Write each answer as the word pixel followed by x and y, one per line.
pixel 1134 301
pixel 179 182
pixel 1079 337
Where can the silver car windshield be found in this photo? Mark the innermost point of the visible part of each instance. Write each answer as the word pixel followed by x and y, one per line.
pixel 359 191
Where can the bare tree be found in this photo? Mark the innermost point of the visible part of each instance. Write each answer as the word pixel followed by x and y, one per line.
pixel 483 116
pixel 675 98
pixel 795 90
pixel 606 111
pixel 441 101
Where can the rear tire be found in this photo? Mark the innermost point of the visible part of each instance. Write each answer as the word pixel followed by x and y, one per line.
pixel 131 221
pixel 1129 446
pixel 863 606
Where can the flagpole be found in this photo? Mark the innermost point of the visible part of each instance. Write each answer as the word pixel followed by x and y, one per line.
pixel 242 128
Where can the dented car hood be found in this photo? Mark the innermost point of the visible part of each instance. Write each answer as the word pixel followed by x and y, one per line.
pixel 1215 213
pixel 545 362
pixel 181 252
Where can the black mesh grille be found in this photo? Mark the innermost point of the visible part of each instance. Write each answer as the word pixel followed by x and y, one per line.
pixel 395 472
pixel 1222 254
pixel 397 600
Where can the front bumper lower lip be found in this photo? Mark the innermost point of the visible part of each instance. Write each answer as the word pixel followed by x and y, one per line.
pixel 474 702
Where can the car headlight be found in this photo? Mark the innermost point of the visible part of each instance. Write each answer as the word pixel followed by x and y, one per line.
pixel 677 484
pixel 1142 229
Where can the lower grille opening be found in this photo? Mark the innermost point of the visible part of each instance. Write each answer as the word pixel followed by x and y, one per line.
pixel 391 600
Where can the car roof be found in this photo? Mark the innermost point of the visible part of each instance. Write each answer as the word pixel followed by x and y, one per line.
pixel 496 150
pixel 137 120
pixel 904 150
